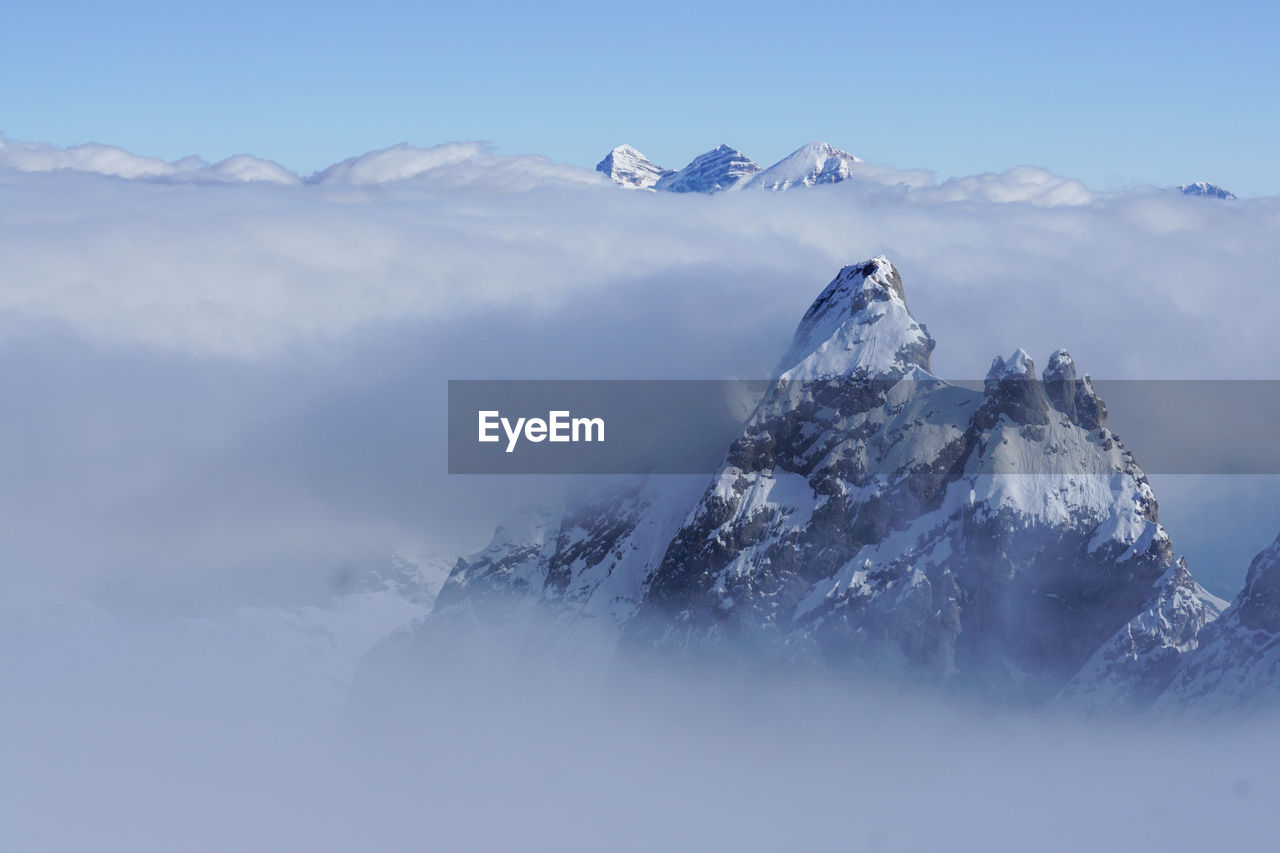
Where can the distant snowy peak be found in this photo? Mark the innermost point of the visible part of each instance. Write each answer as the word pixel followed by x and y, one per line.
pixel 719 169
pixel 627 167
pixel 859 325
pixel 812 164
pixel 725 167
pixel 1206 189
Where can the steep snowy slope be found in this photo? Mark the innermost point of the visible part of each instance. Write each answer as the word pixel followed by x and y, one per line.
pixel 1237 666
pixel 815 163
pixel 568 577
pixel 627 167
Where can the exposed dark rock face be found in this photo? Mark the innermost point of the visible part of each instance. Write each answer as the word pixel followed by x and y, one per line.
pixel 1258 605
pixel 1074 397
pixel 1060 384
pixel 1011 391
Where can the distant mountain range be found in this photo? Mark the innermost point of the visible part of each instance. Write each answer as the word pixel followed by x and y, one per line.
pixel 464 166
pixel 725 168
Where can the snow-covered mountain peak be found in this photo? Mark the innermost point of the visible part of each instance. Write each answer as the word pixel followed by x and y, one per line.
pixel 821 151
pixel 859 324
pixel 627 167
pixel 881 275
pixel 815 163
pixel 720 168
pixel 724 150
pixel 1017 366
pixel 1207 190
pixel 854 287
pixel 625 151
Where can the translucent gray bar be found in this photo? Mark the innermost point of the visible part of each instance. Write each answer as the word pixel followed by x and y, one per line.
pixel 686 426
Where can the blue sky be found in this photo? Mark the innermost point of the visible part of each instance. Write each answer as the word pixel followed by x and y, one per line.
pixel 1144 93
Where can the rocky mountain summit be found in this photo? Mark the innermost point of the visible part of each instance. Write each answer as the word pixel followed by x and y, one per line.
pixel 873 518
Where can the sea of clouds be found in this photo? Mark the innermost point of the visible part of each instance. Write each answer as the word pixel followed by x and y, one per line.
pixel 208 377
pixel 224 387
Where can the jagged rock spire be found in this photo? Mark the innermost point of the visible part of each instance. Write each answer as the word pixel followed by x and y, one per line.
pixel 1073 397
pixel 1011 389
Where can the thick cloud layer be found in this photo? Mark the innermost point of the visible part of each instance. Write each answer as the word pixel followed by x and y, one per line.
pixel 215 378
pixel 152 739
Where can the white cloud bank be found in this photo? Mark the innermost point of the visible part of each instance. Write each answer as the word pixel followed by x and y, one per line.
pixel 450 166
pixel 98 159
pixel 473 165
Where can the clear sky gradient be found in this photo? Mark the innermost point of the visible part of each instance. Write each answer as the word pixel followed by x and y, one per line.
pixel 1115 94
